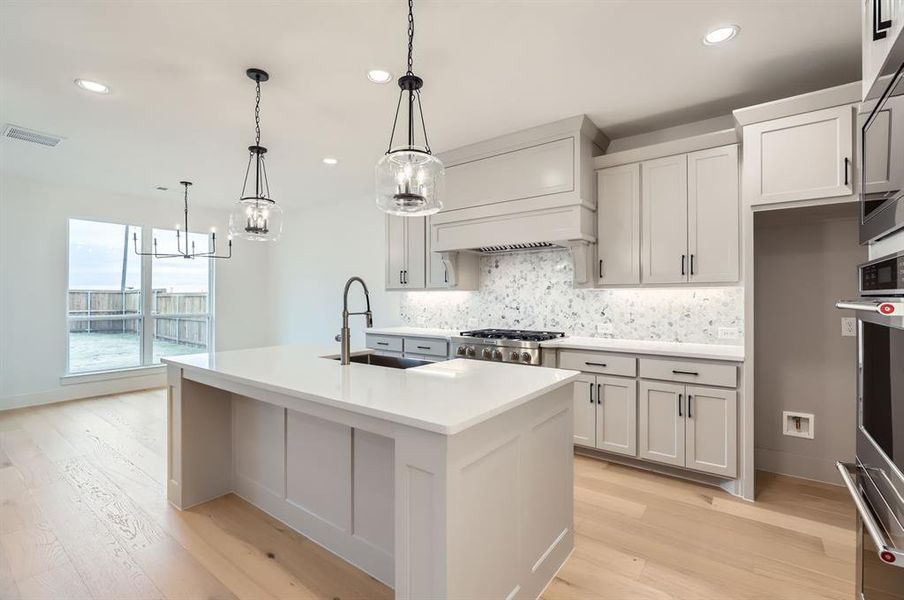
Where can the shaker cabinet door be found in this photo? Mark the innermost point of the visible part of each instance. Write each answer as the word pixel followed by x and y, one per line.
pixel 713 216
pixel 664 193
pixel 396 251
pixel 618 225
pixel 801 157
pixel 416 250
pixel 585 411
pixel 661 426
pixel 616 415
pixel 712 430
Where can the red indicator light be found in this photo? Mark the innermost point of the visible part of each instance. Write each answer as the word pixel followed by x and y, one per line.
pixel 887 556
pixel 886 308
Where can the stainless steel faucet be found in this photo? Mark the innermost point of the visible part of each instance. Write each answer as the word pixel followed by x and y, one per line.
pixel 344 336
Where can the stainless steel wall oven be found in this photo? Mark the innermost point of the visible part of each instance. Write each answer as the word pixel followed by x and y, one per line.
pixel 876 479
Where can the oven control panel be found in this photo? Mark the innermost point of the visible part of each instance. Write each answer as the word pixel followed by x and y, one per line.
pixel 883 276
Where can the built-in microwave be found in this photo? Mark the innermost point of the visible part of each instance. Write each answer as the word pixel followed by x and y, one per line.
pixel 882 158
pixel 876 479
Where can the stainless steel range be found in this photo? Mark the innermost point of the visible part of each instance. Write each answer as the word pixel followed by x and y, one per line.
pixel 503 345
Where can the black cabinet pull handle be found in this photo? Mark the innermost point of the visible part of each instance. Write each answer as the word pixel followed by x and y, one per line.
pixel 599 393
pixel 679 405
pixel 684 372
pixel 400 278
pixel 445 275
pixel 601 268
pixel 590 389
pixel 382 343
pixel 879 26
pixel 593 364
pixel 847 163
pixel 689 398
pixel 423 347
pixel 682 264
pixel 692 264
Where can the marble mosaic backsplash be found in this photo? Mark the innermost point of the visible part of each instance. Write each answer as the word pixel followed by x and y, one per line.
pixel 533 290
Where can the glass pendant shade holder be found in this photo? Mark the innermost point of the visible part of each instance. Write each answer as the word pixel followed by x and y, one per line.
pixel 409 178
pixel 256 216
pixel 180 253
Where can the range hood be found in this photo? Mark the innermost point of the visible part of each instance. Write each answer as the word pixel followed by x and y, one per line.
pixel 530 190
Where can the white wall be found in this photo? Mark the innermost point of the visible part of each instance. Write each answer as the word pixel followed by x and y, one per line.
pixel 321 248
pixel 34 277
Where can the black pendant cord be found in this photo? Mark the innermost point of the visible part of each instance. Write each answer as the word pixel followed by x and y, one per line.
pixel 412 84
pixel 257 138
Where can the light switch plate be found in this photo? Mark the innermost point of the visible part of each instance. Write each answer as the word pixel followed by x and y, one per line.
pixel 849 326
pixel 729 333
pixel 605 328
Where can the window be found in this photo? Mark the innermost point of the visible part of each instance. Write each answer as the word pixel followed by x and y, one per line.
pixel 126 310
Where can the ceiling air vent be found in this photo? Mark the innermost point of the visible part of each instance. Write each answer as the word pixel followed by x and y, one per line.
pixel 30 135
pixel 514 247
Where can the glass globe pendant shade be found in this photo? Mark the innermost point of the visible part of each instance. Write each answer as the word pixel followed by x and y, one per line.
pixel 256 219
pixel 409 182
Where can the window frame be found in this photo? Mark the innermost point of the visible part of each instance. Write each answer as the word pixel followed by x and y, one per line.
pixel 145 317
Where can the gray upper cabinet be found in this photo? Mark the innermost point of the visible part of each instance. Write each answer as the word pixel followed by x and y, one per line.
pixel 664 202
pixel 459 271
pixel 618 225
pixel 713 215
pixel 884 145
pixel 405 252
pixel 801 157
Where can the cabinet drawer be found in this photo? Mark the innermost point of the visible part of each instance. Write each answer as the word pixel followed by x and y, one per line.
pixel 426 346
pixel 689 372
pixel 598 362
pixel 383 342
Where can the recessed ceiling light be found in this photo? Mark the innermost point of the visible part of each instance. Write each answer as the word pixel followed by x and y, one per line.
pixel 329 160
pixel 92 86
pixel 720 34
pixel 379 76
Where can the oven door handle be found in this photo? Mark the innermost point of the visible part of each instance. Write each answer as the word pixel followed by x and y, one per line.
pixel 887 554
pixel 887 309
pixel 869 307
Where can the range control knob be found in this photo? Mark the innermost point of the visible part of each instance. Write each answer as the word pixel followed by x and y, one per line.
pixel 487 353
pixel 515 356
pixel 471 351
pixel 461 351
pixel 526 357
pixel 497 354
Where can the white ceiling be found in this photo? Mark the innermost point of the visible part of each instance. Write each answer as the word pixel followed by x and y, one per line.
pixel 181 106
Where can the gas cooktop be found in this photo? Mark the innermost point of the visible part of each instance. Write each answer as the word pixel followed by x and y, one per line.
pixel 503 345
pixel 521 335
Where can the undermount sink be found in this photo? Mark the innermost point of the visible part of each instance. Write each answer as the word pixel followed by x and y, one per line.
pixel 393 362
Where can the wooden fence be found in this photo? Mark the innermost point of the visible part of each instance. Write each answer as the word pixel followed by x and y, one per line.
pixel 180 317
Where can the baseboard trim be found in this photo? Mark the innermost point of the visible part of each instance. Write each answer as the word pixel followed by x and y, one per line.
pixel 798 465
pixel 78 391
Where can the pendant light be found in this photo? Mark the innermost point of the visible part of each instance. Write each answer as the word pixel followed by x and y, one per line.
pixel 256 216
pixel 409 178
pixel 188 244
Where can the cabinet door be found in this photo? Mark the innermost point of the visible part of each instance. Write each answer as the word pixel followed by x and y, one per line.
pixel 616 415
pixel 416 253
pixel 585 411
pixel 801 157
pixel 883 148
pixel 661 425
pixel 713 217
pixel 618 225
pixel 664 194
pixel 396 250
pixel 712 430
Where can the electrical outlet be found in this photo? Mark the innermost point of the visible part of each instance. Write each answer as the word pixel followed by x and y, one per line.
pixel 798 424
pixel 849 326
pixel 729 333
pixel 605 328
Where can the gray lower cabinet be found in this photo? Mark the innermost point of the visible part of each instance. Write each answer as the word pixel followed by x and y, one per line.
pixel 421 348
pixel 605 414
pixel 689 426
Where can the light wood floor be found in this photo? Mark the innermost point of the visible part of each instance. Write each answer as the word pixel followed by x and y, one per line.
pixel 83 515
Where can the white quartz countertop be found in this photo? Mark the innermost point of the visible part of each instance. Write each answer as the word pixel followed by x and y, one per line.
pixel 677 349
pixel 444 397
pixel 424 332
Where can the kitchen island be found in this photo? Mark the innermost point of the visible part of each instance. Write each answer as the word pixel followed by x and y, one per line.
pixel 450 479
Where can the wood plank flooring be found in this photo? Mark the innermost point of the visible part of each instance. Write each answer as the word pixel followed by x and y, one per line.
pixel 83 514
